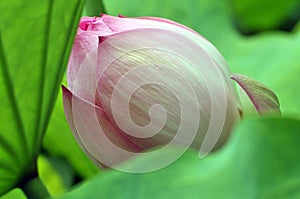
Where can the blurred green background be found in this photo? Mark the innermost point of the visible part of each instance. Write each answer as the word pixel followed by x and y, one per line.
pixel 258 38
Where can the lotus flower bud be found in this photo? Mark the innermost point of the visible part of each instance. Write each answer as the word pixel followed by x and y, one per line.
pixel 139 83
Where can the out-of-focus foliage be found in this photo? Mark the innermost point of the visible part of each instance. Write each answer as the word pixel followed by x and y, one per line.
pixel 253 16
pixel 36 37
pixel 93 8
pixel 252 165
pixel 55 173
pixel 14 194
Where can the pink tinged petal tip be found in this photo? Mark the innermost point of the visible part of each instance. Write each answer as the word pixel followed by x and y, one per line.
pixel 263 99
pixel 102 39
pixel 121 16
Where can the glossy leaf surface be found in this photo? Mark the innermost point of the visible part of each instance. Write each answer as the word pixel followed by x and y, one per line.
pixel 35 42
pixel 261 160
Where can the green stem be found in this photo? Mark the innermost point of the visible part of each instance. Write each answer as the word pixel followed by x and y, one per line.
pixel 35 189
pixel 94 7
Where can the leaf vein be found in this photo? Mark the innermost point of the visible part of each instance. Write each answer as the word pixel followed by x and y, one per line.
pixel 10 91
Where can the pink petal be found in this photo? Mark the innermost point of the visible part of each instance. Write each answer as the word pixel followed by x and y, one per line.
pixel 82 64
pixel 171 57
pixel 165 21
pixel 102 141
pixel 264 100
pixel 84 59
pixel 170 22
pixel 119 25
